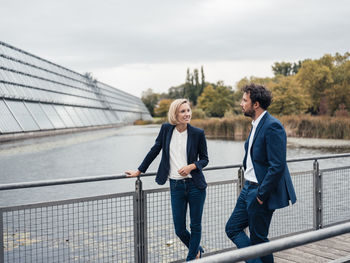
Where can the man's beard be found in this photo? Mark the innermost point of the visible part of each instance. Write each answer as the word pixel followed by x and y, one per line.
pixel 250 113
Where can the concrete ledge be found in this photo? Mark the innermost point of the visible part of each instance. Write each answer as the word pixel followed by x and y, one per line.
pixel 316 143
pixel 35 134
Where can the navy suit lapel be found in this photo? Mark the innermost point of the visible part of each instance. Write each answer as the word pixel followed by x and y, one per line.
pixel 261 123
pixel 246 145
pixel 168 139
pixel 189 141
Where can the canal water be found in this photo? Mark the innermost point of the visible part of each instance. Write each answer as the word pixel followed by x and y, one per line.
pixel 105 152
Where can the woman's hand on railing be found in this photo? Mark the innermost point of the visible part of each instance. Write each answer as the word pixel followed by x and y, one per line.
pixel 132 173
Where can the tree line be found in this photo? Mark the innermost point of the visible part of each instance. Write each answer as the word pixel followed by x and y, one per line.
pixel 312 86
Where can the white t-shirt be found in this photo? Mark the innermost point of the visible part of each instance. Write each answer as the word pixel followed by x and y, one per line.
pixel 249 173
pixel 178 154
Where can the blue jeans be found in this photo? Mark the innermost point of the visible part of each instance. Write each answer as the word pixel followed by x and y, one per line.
pixel 184 192
pixel 248 212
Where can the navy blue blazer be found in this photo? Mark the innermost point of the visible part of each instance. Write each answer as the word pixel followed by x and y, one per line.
pixel 196 153
pixel 268 153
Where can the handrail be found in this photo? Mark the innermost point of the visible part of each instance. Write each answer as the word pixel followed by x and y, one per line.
pixel 322 157
pixel 21 185
pixel 277 245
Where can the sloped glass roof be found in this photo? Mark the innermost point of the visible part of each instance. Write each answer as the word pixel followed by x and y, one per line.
pixel 36 94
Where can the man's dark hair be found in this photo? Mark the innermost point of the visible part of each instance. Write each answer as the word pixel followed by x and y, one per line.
pixel 258 93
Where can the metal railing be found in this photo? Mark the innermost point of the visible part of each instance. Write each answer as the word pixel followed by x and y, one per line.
pixel 137 226
pixel 277 245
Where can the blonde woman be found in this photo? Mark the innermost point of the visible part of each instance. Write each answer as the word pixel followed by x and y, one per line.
pixel 184 156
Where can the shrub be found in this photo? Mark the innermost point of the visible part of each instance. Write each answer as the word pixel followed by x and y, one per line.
pixel 198 113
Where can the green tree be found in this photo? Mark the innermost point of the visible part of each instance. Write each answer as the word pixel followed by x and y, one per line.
pixel 315 77
pixel 188 76
pixel 215 101
pixel 240 85
pixel 339 93
pixel 296 67
pixel 252 79
pixel 162 108
pixel 150 99
pixel 243 82
pixel 288 96
pixel 188 84
pixel 286 68
pixel 338 96
pixel 341 71
pixel 194 90
pixel 202 81
pixel 176 92
pixel 282 68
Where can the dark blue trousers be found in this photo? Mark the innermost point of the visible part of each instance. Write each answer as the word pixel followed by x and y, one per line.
pixel 184 193
pixel 249 213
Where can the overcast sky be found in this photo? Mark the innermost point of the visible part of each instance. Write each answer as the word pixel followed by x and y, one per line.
pixel 136 45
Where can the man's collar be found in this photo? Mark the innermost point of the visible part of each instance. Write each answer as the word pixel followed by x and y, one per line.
pixel 256 122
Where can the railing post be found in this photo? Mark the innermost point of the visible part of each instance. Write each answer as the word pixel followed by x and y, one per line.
pixel 139 223
pixel 240 184
pixel 317 184
pixel 240 181
pixel 2 246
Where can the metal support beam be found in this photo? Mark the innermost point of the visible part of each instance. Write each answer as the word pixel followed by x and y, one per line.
pixel 240 180
pixel 140 231
pixel 317 183
pixel 2 246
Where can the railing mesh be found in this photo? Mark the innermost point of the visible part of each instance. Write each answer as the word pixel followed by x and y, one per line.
pixel 82 231
pixel 336 195
pixel 164 246
pixel 101 229
pixel 296 218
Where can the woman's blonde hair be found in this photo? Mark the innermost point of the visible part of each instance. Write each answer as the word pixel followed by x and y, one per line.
pixel 174 109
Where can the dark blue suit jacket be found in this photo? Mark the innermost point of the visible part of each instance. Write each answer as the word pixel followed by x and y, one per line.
pixel 268 153
pixel 196 153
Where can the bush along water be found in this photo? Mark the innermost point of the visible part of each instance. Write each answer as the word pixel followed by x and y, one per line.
pixel 323 127
pixel 234 128
pixel 301 126
pixel 237 127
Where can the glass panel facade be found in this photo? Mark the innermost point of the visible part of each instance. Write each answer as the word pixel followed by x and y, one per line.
pixel 74 116
pixel 64 116
pixel 44 95
pixel 112 116
pixel 7 122
pixel 3 90
pixel 82 116
pixel 101 116
pixel 88 116
pixel 94 117
pixel 53 116
pixel 22 115
pixel 39 115
pixel 122 116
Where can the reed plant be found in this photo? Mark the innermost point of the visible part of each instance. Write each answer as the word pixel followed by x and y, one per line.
pixel 301 126
pixel 324 127
pixel 236 128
